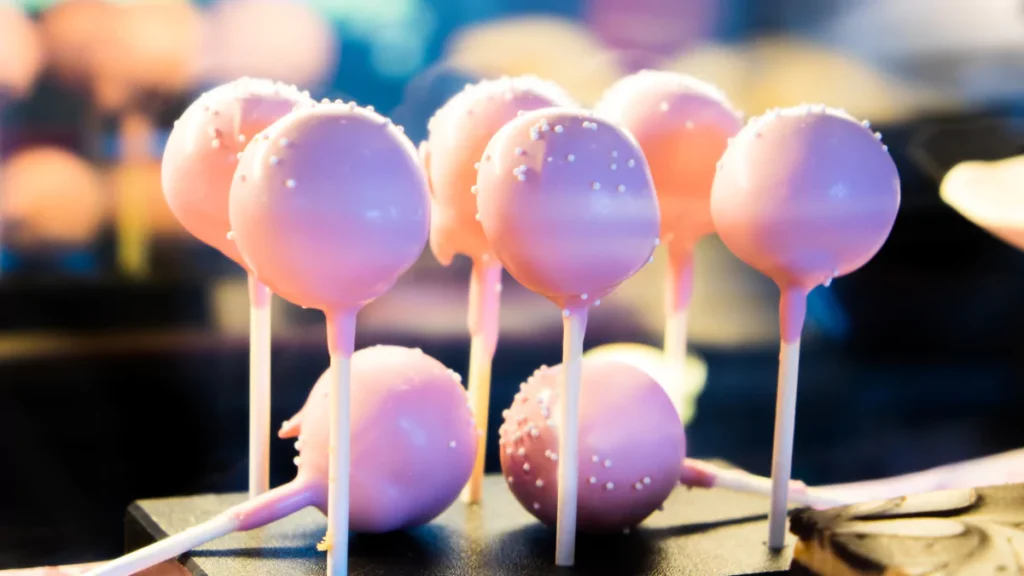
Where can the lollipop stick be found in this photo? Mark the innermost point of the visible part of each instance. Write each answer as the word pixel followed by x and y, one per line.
pixel 341 335
pixel 679 285
pixel 574 322
pixel 792 309
pixel 132 213
pixel 259 387
pixel 484 309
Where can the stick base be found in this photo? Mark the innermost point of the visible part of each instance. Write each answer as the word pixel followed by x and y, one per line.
pixel 701 532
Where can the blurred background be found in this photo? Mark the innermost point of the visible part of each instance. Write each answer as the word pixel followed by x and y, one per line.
pixel 123 341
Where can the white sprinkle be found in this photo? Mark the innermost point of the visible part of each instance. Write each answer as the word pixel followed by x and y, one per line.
pixel 607 463
pixel 583 296
pixel 647 480
pixel 477 217
pixel 554 457
pixel 650 260
pixel 878 135
pixel 539 483
pixel 596 185
pixel 295 460
pixel 614 166
pixel 559 129
pixel 621 188
pixel 511 480
pixel 231 235
pixel 534 135
pixel 476 166
pixel 657 241
pixel 534 432
pixel 526 467
pixel 536 506
pixel 284 142
pixel 273 160
pixel 638 486
pixel 615 153
pixel 508 451
pixel 664 106
pixel 473 190
pixel 551 159
pixel 595 458
pixel 630 162
pixel 566 313
pixel 571 157
pixel 238 156
pixel 215 143
pixel 592 480
pixel 866 124
pixel 451 444
pixel 297 443
pixel 520 152
pixel 597 302
pixel 289 183
pixel 521 452
pixel 609 486
pixel 689 125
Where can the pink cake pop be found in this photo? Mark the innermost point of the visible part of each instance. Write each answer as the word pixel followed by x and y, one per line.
pixel 413 445
pixel 567 203
pixel 683 126
pixel 804 195
pixel 329 206
pixel 632 448
pixel 459 133
pixel 198 164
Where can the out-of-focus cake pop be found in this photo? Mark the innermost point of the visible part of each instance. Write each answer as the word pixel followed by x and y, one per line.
pixel 683 126
pixel 459 133
pixel 198 166
pixel 571 227
pixel 329 206
pixel 73 32
pixel 989 195
pixel 51 198
pixel 804 195
pixel 413 440
pixel 246 38
pixel 152 49
pixel 22 54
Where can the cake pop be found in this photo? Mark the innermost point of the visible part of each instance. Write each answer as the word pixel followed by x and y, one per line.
pixel 52 198
pixel 73 32
pixel 458 134
pixel 413 444
pixel 329 206
pixel 804 195
pixel 246 38
pixel 568 223
pixel 683 126
pixel 632 448
pixel 988 194
pixel 198 165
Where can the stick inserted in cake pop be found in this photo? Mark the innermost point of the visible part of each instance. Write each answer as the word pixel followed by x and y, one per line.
pixel 198 165
pixel 459 132
pixel 329 206
pixel 568 223
pixel 683 126
pixel 415 441
pixel 804 195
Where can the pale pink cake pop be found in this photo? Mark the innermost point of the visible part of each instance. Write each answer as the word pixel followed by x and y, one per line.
pixel 202 152
pixel 413 446
pixel 459 133
pixel 805 195
pixel 567 203
pixel 631 445
pixel 683 126
pixel 329 206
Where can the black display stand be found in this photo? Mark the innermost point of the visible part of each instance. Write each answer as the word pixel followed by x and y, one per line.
pixel 699 532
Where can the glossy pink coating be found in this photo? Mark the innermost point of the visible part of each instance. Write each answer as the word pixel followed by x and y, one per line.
pixel 683 126
pixel 805 194
pixel 631 445
pixel 567 202
pixel 413 445
pixel 329 206
pixel 458 134
pixel 203 148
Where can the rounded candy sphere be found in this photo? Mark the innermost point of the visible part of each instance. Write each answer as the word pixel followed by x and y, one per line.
pixel 631 445
pixel 683 126
pixel 567 203
pixel 413 439
pixel 202 152
pixel 805 194
pixel 329 206
pixel 22 56
pixel 459 133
